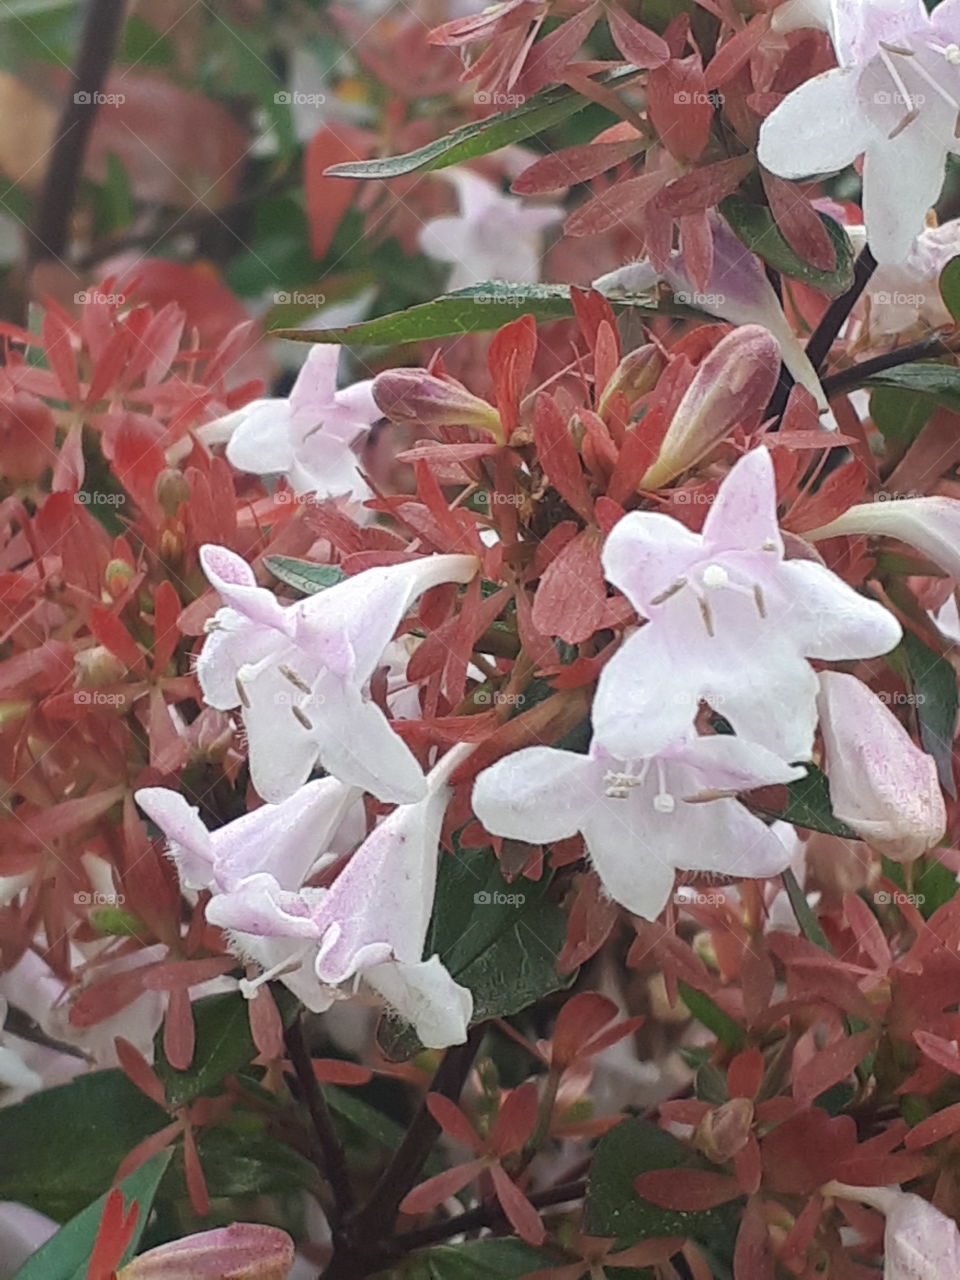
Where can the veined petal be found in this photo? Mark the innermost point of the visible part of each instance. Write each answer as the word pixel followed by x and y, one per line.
pixel 232 577
pixel 772 703
pixel 724 762
pixel 438 1008
pixel 633 862
pixel 895 211
pixel 356 744
pixel 261 442
pixel 832 620
pixel 357 403
pixel 235 642
pixel 259 906
pixel 645 553
pixel 316 383
pixel 189 842
pixel 818 128
pixel 932 525
pixel 647 697
pixel 743 516
pixel 538 794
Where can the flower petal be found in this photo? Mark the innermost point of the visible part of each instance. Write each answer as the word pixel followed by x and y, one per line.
pixel 645 553
pixel 261 442
pixel 316 385
pixel 538 794
pixel 743 515
pixel 832 621
pixel 189 842
pixel 818 128
pixel 425 994
pixel 895 211
pixel 647 696
pixel 626 850
pixel 232 577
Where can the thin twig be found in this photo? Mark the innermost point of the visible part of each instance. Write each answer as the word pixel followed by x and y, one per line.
pixel 334 1167
pixel 49 235
pixel 488 1214
pixel 857 374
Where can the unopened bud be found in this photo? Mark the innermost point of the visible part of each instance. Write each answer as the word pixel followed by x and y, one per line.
pixel 731 387
pixel 243 1251
pixel 118 577
pixel 172 490
pixel 636 374
pixel 97 667
pixel 418 398
pixel 725 1130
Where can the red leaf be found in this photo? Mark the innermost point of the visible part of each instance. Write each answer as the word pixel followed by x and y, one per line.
pixel 686 1189
pixel 439 1188
pixel 680 108
pixel 558 455
pixel 136 1067
pixel 830 1065
pixel 803 1153
pixel 571 601
pixel 522 1216
pixel 638 44
pixel 620 205
pixel 702 188
pixel 753 1257
pixel 517 1119
pixel 943 1052
pixel 940 1125
pixel 744 1074
pixel 452 1121
pixel 570 165
pixel 799 222
pixel 510 359
pixel 327 198
pixel 735 52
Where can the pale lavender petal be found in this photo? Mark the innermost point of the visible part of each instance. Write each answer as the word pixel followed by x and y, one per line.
pixel 830 619
pixel 538 794
pixel 744 513
pixel 426 996
pixel 190 845
pixel 645 553
pixel 818 128
pixel 316 384
pixel 261 442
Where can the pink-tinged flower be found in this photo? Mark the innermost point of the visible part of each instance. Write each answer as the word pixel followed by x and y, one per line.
pixel 284 842
pixel 902 296
pixel 372 923
pixel 932 525
pixel 881 783
pixel 643 821
pixel 308 436
pixel 919 1242
pixel 731 623
pixel 731 384
pixel 418 398
pixel 242 1251
pixel 300 672
pixel 493 237
pixel 738 290
pixel 894 99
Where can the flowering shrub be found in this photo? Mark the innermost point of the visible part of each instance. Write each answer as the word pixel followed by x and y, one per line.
pixel 487 805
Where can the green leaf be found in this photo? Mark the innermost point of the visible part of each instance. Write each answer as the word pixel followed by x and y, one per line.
pixel 247 1163
pixel 501 940
pixel 483 136
pixel 96 1119
pixel 939 383
pixel 808 805
pixel 474 1260
pixel 66 1255
pixel 757 228
pixel 950 288
pixel 615 1209
pixel 712 1016
pixel 478 309
pixel 304 575
pixel 899 414
pixel 224 1045
pixel 935 691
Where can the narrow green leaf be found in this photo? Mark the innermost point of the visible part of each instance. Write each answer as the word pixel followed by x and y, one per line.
pixel 808 922
pixel 478 309
pixel 938 383
pixel 935 692
pixel 757 228
pixel 899 414
pixel 808 805
pixel 950 288
pixel 479 138
pixel 304 575
pixel 66 1255
pixel 474 1260
pixel 712 1016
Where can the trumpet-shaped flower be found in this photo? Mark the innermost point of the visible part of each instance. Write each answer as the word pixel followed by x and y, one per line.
pixel 731 623
pixel 738 290
pixel 307 436
pixel 919 1242
pixel 242 1251
pixel 644 820
pixel 372 923
pixel 907 295
pixel 493 237
pixel 299 672
pixel 894 99
pixel 932 525
pixel 881 784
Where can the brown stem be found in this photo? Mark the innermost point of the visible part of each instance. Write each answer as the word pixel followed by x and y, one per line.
pixel 334 1164
pixel 486 1215
pixel 857 374
pixel 49 235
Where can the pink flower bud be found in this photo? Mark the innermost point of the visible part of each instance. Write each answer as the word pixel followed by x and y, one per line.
pixel 881 783
pixel 731 387
pixel 417 398
pixel 636 374
pixel 243 1251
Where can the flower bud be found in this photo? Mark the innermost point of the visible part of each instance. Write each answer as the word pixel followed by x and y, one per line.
pixel 881 783
pixel 731 387
pixel 26 437
pixel 725 1130
pixel 243 1251
pixel 172 490
pixel 97 667
pixel 636 374
pixel 118 576
pixel 417 398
